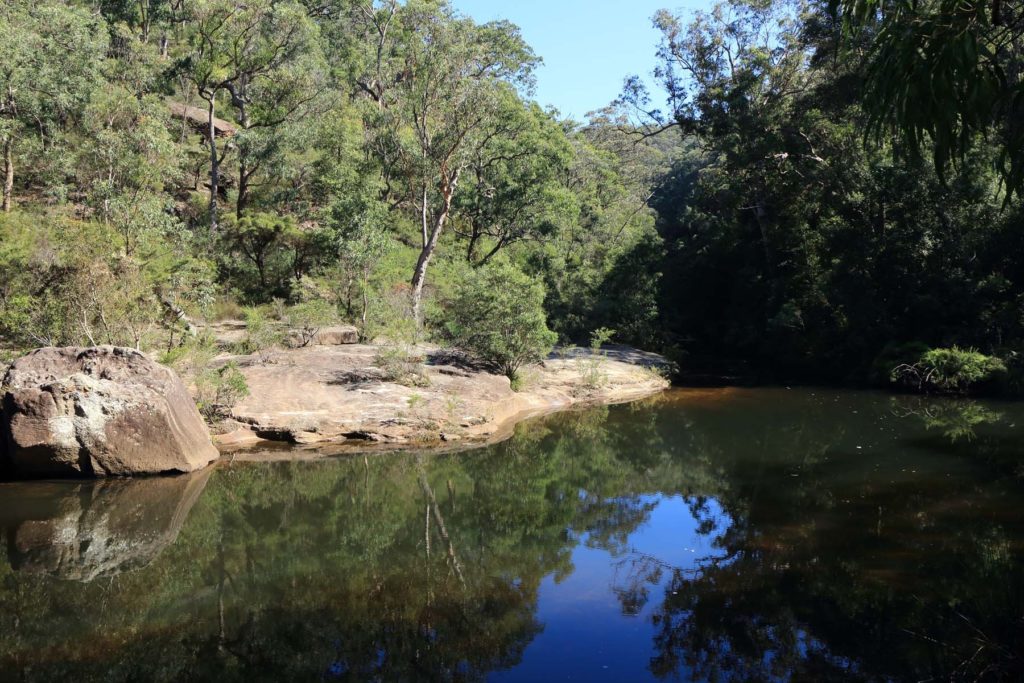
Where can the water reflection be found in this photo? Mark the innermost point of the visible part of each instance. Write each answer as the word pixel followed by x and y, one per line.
pixel 955 419
pixel 748 535
pixel 88 530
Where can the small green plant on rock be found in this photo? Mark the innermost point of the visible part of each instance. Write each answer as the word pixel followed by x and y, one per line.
pixel 218 389
pixel 453 407
pixel 400 364
pixel 591 366
pixel 260 335
pixel 307 319
pixel 193 357
pixel 415 402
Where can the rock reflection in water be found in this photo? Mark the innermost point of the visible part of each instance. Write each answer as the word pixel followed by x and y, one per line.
pixel 88 530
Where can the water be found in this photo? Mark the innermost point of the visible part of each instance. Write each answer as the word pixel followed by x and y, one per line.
pixel 709 535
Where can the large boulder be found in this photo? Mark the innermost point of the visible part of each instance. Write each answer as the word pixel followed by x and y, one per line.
pixel 102 411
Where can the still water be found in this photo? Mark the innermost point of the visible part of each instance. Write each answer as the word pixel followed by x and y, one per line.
pixel 765 534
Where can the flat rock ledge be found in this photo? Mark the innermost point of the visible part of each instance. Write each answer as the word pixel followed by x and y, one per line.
pixel 96 412
pixel 336 395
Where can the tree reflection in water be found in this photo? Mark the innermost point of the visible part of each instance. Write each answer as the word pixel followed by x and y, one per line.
pixel 837 565
pixel 847 541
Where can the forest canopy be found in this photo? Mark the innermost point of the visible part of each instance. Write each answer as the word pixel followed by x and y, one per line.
pixel 811 188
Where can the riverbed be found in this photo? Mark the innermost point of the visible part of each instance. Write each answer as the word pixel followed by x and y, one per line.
pixel 767 534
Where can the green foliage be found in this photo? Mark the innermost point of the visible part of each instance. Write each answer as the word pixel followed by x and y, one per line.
pixel 68 282
pixel 600 337
pixel 591 365
pixel 789 243
pixel 193 357
pixel 308 317
pixel 952 370
pixel 362 240
pixel 261 335
pixel 125 163
pixel 358 149
pixel 218 389
pixel 497 315
pixel 401 363
pixel 959 77
pixel 262 252
pixel 42 88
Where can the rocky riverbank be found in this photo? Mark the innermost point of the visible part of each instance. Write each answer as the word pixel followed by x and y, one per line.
pixel 108 411
pixel 339 395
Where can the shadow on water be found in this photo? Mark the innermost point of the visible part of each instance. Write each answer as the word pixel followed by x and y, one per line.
pixel 846 536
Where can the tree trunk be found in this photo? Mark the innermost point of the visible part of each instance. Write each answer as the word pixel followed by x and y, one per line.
pixel 419 275
pixel 239 98
pixel 8 173
pixel 261 269
pixel 474 236
pixel 211 139
pixel 242 202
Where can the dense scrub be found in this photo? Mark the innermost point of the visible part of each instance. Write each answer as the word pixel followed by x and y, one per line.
pixel 298 164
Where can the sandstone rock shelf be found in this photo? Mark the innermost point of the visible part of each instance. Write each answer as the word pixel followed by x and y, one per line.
pixel 335 395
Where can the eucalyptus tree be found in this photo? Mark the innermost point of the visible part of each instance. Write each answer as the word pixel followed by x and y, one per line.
pixel 513 190
pixel 261 56
pixel 284 86
pixel 731 79
pixel 943 74
pixel 149 21
pixel 126 161
pixel 437 90
pixel 52 55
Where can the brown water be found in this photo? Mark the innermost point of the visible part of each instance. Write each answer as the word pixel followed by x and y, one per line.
pixel 709 535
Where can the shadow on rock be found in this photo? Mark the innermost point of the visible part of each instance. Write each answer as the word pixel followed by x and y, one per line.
pixel 95 529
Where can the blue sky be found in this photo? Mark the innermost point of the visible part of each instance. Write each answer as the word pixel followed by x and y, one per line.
pixel 588 46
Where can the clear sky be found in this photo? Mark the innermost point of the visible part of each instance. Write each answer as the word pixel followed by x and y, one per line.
pixel 588 46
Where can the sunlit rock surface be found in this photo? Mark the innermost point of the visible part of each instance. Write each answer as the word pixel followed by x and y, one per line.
pixel 98 411
pixel 336 394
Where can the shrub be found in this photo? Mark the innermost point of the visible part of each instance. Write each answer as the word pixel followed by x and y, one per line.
pixel 399 363
pixel 949 370
pixel 260 334
pixel 497 315
pixel 307 318
pixel 591 366
pixel 193 357
pixel 218 389
pixel 225 308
